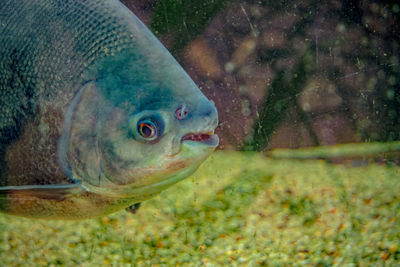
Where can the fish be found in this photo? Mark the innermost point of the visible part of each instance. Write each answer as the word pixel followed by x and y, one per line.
pixel 96 115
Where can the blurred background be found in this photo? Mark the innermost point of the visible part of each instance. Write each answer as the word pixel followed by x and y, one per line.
pixel 288 74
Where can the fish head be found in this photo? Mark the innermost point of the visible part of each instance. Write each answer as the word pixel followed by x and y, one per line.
pixel 139 126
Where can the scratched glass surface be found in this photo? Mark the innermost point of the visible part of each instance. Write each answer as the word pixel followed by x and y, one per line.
pixel 307 170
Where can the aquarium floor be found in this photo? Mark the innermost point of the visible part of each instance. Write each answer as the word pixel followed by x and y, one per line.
pixel 239 209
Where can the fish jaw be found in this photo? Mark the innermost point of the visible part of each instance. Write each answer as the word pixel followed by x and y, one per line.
pixel 208 139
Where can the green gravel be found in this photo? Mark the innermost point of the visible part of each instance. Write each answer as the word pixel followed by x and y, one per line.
pixel 239 209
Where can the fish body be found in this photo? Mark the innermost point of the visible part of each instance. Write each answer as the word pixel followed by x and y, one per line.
pixel 96 115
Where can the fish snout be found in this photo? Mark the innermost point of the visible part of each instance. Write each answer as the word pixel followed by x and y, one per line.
pixel 203 122
pixel 209 114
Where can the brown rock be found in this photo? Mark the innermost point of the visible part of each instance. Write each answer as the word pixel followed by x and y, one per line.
pixel 290 135
pixel 199 54
pixel 240 55
pixel 334 129
pixel 319 96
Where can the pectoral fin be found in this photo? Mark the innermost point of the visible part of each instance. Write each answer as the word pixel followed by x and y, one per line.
pixel 133 208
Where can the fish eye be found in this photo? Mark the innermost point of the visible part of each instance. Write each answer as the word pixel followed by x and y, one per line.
pixel 147 126
pixel 147 129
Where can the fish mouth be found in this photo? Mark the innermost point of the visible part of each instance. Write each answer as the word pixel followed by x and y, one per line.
pixel 205 138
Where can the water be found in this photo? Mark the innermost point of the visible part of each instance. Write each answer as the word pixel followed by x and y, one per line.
pixel 307 172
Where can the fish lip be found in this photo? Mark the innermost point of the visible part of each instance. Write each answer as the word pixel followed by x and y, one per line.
pixel 206 137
